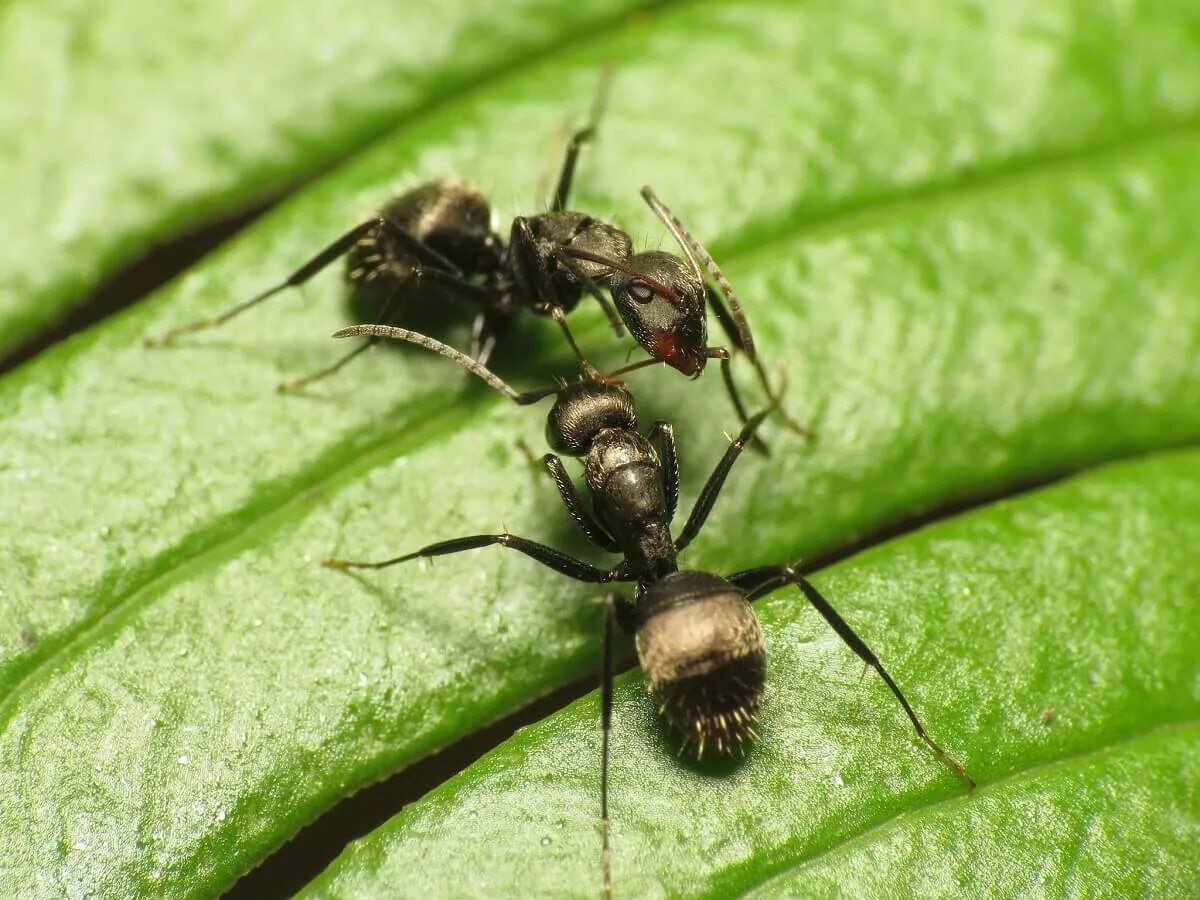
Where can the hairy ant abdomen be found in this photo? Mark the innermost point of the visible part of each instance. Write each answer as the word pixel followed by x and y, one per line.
pixel 451 217
pixel 701 648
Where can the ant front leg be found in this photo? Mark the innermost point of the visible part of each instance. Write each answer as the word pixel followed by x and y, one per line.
pixel 567 262
pixel 716 481
pixel 763 580
pixel 663 433
pixel 533 268
pixel 735 396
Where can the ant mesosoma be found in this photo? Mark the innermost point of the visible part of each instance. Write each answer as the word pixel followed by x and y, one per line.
pixel 697 638
pixel 439 235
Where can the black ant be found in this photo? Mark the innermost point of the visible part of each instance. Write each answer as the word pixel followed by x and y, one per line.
pixel 439 235
pixel 698 641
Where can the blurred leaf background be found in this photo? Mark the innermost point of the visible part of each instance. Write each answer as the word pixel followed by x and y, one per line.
pixel 968 231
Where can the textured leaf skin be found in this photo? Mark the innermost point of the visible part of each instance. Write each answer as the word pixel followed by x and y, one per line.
pixel 986 620
pixel 127 123
pixel 970 291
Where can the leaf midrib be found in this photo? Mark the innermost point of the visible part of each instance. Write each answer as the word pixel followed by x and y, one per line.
pixel 1015 777
pixel 853 214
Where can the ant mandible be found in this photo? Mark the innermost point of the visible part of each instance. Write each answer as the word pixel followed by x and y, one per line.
pixel 697 638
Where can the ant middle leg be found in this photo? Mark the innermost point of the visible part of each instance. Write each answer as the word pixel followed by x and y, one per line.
pixel 554 559
pixel 663 433
pixel 340 247
pixel 763 580
pixel 592 529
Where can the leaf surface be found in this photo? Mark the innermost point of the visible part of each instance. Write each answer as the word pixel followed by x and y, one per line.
pixel 975 282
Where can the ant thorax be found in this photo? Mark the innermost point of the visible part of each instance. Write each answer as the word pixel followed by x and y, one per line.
pixel 553 232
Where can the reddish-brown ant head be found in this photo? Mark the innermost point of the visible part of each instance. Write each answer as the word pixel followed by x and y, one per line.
pixel 662 303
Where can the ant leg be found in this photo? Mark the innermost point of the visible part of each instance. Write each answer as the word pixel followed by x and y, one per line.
pixel 423 340
pixel 612 603
pixel 286 387
pixel 579 138
pixel 765 579
pixel 338 248
pixel 568 263
pixel 485 331
pixel 547 556
pixel 539 279
pixel 733 320
pixel 664 434
pixel 624 370
pixel 595 532
pixel 735 396
pixel 692 248
pixel 556 313
pixel 716 481
pixel 414 278
pixel 736 337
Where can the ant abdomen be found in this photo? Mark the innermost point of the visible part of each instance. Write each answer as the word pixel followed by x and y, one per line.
pixel 450 217
pixel 701 649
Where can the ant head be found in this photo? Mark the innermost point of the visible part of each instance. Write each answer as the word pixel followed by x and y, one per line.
pixel 454 219
pixel 583 410
pixel 661 300
pixel 701 648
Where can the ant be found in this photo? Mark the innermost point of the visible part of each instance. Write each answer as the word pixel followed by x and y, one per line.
pixel 697 638
pixel 439 235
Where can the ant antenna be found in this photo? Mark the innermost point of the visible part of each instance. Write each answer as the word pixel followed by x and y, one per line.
pixel 743 338
pixel 693 248
pixel 477 369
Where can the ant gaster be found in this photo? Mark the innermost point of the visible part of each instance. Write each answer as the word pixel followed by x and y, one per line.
pixel 697 638
pixel 439 235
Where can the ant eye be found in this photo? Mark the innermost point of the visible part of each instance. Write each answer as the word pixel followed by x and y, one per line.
pixel 641 292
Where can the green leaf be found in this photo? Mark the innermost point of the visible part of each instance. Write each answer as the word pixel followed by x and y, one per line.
pixel 1008 628
pixel 139 120
pixel 974 256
